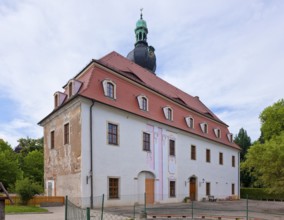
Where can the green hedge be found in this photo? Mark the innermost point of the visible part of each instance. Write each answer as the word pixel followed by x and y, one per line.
pixel 261 194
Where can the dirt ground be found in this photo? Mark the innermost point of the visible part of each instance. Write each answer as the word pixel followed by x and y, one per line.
pixel 257 210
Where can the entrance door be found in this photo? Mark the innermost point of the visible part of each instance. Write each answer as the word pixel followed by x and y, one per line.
pixel 149 189
pixel 192 189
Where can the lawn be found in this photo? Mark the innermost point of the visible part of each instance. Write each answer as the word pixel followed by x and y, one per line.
pixel 9 209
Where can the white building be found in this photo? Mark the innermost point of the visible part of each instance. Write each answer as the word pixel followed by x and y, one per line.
pixel 120 130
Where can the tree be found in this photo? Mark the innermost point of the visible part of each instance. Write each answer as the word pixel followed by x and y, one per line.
pixel 29 144
pixel 33 166
pixel 9 168
pixel 266 162
pixel 244 141
pixel 272 120
pixel 27 189
pixel 4 146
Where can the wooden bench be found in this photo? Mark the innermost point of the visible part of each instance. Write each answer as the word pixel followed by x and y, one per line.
pixel 211 199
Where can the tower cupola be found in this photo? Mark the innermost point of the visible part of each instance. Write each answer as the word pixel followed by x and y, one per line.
pixel 142 54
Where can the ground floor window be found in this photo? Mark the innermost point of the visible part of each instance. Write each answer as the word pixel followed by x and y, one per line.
pixel 208 189
pixel 113 188
pixel 172 188
pixel 233 189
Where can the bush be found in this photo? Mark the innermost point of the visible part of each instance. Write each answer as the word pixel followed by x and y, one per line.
pixel 260 194
pixel 26 189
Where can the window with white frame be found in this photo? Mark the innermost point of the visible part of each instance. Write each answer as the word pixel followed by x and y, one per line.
pixel 56 100
pixel 217 132
pixel 204 127
pixel 146 141
pixel 168 112
pixel 112 134
pixel 230 137
pixel 143 102
pixel 70 89
pixel 109 88
pixel 189 121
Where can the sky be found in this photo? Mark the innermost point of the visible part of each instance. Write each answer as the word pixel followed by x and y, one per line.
pixel 230 53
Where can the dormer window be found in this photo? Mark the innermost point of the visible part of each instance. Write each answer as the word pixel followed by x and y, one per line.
pixel 217 132
pixel 143 102
pixel 189 121
pixel 230 137
pixel 204 127
pixel 70 89
pixel 168 112
pixel 55 100
pixel 109 89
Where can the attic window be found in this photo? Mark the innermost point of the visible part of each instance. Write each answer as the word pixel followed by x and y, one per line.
pixel 55 100
pixel 204 127
pixel 217 132
pixel 189 121
pixel 168 112
pixel 70 89
pixel 143 102
pixel 109 88
pixel 230 137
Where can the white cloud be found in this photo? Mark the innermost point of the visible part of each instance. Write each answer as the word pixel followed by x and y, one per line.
pixel 229 54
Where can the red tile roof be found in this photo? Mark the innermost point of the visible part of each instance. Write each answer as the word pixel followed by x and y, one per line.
pixel 132 80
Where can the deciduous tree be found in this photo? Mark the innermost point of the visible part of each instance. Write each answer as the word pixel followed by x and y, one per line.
pixel 272 120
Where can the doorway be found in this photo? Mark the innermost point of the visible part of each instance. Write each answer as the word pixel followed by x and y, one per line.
pixel 149 190
pixel 192 188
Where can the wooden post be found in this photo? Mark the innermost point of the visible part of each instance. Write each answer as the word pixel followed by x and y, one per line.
pixel 2 201
pixel 2 209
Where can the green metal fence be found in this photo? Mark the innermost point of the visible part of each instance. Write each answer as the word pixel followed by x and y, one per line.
pixel 243 209
pixel 74 212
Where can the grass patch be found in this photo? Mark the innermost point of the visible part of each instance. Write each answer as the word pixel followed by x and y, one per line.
pixel 9 209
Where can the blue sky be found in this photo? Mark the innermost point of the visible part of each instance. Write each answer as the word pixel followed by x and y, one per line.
pixel 230 53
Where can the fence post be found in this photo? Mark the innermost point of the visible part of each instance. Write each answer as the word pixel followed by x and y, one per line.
pixel 192 209
pixel 145 202
pixel 66 203
pixel 88 214
pixel 102 214
pixel 247 207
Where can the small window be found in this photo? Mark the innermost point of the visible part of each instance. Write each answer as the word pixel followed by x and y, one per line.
pixel 112 134
pixel 189 122
pixel 113 188
pixel 208 156
pixel 146 141
pixel 233 189
pixel 204 127
pixel 193 152
pixel 230 137
pixel 217 132
pixel 55 100
pixel 52 139
pixel 233 161
pixel 168 112
pixel 66 134
pixel 172 188
pixel 70 89
pixel 143 102
pixel 172 148
pixel 208 189
pixel 220 158
pixel 109 88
